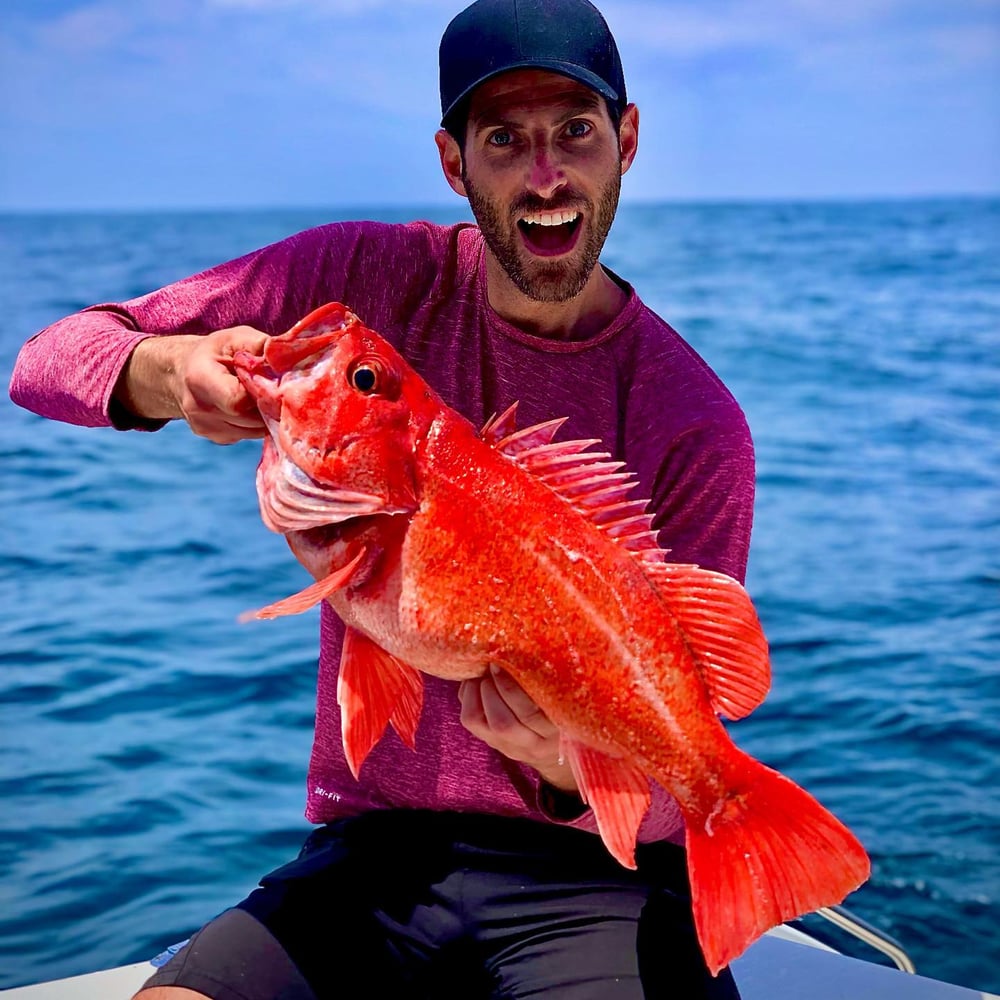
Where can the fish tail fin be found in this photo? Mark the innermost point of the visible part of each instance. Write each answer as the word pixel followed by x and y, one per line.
pixel 768 852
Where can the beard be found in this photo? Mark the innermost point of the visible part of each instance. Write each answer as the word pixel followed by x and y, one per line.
pixel 541 281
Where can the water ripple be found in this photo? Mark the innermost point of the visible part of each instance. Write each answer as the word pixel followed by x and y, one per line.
pixel 153 753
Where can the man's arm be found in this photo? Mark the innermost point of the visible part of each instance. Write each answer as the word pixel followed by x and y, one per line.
pixel 139 363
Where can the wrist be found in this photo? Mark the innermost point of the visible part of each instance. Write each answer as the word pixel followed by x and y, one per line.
pixel 560 777
pixel 148 384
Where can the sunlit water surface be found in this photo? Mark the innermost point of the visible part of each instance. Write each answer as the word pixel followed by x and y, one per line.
pixel 153 750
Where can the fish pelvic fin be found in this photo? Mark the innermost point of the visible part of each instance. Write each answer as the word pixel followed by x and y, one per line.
pixel 617 791
pixel 722 632
pixel 311 596
pixel 768 852
pixel 374 689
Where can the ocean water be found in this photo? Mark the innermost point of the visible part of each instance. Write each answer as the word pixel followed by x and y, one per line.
pixel 153 750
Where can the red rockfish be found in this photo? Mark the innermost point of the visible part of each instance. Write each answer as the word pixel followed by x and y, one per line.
pixel 446 550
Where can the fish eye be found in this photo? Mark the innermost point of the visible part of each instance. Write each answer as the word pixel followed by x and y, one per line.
pixel 370 376
pixel 364 378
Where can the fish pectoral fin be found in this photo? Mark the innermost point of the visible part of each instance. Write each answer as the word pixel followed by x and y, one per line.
pixel 375 688
pixel 311 596
pixel 722 631
pixel 617 791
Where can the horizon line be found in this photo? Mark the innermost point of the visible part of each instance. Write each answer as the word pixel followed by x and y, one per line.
pixel 460 206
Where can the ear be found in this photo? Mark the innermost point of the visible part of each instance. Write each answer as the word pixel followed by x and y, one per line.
pixel 628 136
pixel 451 160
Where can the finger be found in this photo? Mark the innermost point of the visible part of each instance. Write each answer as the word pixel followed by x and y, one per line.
pixel 239 338
pixel 520 703
pixel 250 421
pixel 248 433
pixel 500 717
pixel 224 434
pixel 472 715
pixel 214 390
pixel 486 715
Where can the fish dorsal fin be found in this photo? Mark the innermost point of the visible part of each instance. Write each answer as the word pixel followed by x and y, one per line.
pixel 590 481
pixel 714 612
pixel 502 433
pixel 723 633
pixel 498 427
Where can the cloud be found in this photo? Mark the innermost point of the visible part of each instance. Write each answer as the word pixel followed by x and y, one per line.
pixel 863 49
pixel 233 98
pixel 96 28
pixel 685 29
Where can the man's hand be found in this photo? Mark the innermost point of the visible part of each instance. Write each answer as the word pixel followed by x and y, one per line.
pixel 192 378
pixel 497 710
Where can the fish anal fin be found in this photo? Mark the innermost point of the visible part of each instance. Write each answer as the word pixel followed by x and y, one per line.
pixel 768 852
pixel 311 596
pixel 374 688
pixel 617 791
pixel 722 631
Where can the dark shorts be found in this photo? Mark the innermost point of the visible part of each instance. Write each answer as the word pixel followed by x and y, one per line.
pixel 416 904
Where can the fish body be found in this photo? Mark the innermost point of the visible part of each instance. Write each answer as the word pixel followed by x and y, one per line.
pixel 446 549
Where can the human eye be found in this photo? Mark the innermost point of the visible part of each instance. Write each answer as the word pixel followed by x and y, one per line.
pixel 499 137
pixel 578 128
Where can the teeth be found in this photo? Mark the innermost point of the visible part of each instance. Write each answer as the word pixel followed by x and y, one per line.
pixel 549 218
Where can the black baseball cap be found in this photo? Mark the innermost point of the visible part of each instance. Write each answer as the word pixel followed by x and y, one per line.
pixel 493 36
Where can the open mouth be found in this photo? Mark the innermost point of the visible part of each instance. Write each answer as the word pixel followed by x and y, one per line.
pixel 548 234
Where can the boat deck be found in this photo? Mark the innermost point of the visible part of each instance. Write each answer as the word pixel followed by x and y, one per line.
pixel 780 966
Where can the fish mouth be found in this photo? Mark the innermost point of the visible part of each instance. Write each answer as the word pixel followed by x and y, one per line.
pixel 550 233
pixel 325 536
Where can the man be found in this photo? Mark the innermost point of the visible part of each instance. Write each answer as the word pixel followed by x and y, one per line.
pixel 469 868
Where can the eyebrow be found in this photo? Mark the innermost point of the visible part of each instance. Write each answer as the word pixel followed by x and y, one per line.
pixel 573 107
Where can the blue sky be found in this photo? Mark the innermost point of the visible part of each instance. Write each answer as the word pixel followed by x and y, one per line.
pixel 216 103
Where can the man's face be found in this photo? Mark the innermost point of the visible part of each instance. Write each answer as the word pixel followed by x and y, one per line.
pixel 542 170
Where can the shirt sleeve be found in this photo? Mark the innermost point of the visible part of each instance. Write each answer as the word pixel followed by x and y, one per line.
pixel 68 371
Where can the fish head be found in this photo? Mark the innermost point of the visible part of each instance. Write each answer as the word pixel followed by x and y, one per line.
pixel 345 415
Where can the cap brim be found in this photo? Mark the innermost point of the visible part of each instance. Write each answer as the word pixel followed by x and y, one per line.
pixel 574 72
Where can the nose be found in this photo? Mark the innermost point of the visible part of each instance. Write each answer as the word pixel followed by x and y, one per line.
pixel 545 172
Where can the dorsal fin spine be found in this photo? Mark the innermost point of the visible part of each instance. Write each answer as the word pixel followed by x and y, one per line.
pixel 529 438
pixel 606 515
pixel 601 483
pixel 637 524
pixel 590 482
pixel 601 497
pixel 558 463
pixel 568 477
pixel 498 427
